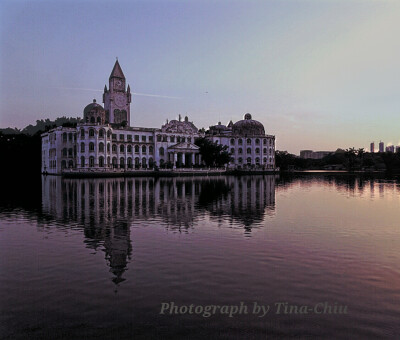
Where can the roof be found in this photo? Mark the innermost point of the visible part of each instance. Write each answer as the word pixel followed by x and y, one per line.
pixel 117 71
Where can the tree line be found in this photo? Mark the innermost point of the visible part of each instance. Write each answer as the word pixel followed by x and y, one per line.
pixel 350 159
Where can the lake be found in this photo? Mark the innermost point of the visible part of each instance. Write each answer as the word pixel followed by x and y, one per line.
pixel 250 257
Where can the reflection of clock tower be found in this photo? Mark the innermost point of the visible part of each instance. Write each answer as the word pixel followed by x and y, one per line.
pixel 116 99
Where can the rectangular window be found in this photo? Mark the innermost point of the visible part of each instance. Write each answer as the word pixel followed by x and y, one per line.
pixel 143 138
pixel 150 138
pixel 121 137
pixel 114 136
pixel 136 138
pixel 129 138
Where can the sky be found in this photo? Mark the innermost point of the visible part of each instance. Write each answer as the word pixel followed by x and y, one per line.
pixel 319 74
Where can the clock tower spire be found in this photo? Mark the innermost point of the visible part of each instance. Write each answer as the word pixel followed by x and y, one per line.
pixel 117 99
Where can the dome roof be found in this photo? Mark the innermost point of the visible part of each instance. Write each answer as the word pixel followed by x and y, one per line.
pixel 93 106
pixel 248 126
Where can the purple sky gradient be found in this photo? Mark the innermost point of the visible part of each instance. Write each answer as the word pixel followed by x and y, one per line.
pixel 318 74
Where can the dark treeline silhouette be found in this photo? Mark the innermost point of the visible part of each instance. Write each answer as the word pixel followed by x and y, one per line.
pixel 350 159
pixel 42 125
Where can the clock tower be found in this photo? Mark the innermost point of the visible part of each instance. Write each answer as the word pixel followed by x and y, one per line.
pixel 117 98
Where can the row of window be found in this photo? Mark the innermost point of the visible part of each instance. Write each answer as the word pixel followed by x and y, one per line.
pixel 67 137
pixel 115 163
pixel 248 141
pixel 129 148
pixel 257 160
pixel 179 139
pixel 248 150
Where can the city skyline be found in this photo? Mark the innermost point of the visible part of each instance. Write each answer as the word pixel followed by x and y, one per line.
pixel 317 75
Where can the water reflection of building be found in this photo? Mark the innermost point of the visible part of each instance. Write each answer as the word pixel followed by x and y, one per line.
pixel 107 207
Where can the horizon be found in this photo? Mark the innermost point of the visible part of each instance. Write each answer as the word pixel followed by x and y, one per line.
pixel 318 75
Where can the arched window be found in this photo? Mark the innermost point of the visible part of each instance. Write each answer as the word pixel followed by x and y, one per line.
pixel 150 150
pixel 114 148
pixel 121 148
pixel 101 161
pixel 70 136
pixel 70 152
pixel 108 161
pixel 248 160
pixel 82 133
pixel 64 152
pixel 114 162
pixel 109 134
pixel 257 141
pixel 108 147
pixel 122 162
pixel 137 161
pixel 70 164
pixel 161 151
pixel 92 120
pixel 248 150
pixel 101 147
pixel 63 164
pixel 101 133
pixel 144 149
pixel 91 161
pixel 248 141
pixel 144 162
pixel 232 150
pixel 91 133
pixel 151 162
pixel 232 141
pixel 91 146
pixel 64 137
pixel 130 163
pixel 265 150
pixel 240 151
pixel 82 146
pixel 257 160
pixel 257 150
pixel 240 160
pixel 265 142
pixel 265 159
pixel 98 120
pixel 82 162
pixel 129 148
pixel 136 148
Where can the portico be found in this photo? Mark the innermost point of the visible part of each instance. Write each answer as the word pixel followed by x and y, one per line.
pixel 184 155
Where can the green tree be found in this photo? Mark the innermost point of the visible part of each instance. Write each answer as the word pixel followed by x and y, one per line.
pixel 213 154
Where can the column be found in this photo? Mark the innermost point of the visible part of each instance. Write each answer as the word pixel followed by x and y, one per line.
pixel 193 159
pixel 183 159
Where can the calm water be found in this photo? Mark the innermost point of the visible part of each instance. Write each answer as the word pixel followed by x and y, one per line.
pixel 86 259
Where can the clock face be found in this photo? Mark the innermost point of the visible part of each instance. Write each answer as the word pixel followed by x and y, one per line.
pixel 119 84
pixel 120 100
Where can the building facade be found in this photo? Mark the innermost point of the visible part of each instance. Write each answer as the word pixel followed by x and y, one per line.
pixel 310 154
pixel 246 141
pixel 105 140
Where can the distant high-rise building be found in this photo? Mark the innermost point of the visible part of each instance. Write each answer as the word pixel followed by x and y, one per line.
pixel 372 147
pixel 390 148
pixel 381 147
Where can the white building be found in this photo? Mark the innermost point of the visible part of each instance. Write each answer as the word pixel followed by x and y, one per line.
pixel 247 143
pixel 105 140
